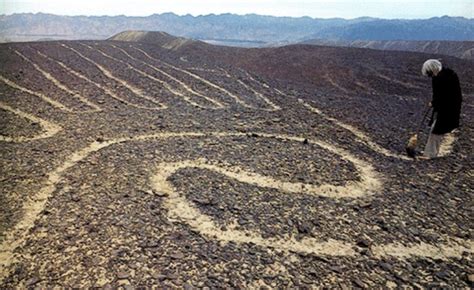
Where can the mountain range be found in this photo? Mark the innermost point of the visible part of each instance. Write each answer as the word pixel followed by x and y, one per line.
pixel 239 30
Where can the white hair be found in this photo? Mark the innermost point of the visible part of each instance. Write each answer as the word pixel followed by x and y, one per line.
pixel 431 66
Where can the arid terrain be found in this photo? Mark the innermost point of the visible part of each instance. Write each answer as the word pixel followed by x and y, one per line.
pixel 461 49
pixel 126 163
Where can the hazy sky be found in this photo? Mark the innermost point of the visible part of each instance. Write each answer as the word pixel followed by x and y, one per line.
pixel 317 9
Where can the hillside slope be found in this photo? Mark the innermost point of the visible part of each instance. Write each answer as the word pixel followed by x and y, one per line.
pixel 125 163
pixel 461 49
pixel 160 38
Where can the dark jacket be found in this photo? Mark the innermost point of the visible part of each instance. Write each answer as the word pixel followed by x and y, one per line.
pixel 447 99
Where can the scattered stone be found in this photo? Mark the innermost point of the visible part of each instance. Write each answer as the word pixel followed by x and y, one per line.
pixel 203 201
pixel 336 269
pixel 32 281
pixel 364 243
pixel 177 256
pixel 304 227
pixel 386 266
pixel 105 208
pixel 470 278
pixel 358 283
pixel 161 194
pixel 75 198
pixel 442 274
pixel 123 275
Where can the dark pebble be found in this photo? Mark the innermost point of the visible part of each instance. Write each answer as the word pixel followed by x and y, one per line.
pixel 363 243
pixel 123 275
pixel 32 281
pixel 177 256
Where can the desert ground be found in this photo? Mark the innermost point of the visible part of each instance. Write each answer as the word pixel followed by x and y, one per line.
pixel 131 164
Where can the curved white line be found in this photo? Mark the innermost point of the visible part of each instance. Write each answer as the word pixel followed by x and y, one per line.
pixel 49 128
pixel 362 137
pixel 33 207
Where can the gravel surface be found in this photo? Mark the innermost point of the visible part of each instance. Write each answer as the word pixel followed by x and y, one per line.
pixel 129 164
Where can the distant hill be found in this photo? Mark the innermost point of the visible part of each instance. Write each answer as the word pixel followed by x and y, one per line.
pixel 247 30
pixel 461 49
pixel 160 38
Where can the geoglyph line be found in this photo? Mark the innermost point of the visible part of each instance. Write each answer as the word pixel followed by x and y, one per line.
pixel 168 87
pixel 233 96
pixel 60 85
pixel 34 206
pixel 261 96
pixel 48 128
pixel 366 187
pixel 254 80
pixel 387 78
pixel 205 69
pixel 258 94
pixel 138 92
pixel 455 248
pixel 83 77
pixel 445 149
pixel 181 209
pixel 361 136
pixel 334 83
pixel 50 101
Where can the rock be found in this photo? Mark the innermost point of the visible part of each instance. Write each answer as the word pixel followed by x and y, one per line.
pixel 304 228
pixel 442 274
pixel 236 208
pixel 147 191
pixel 32 281
pixel 160 194
pixel 203 201
pixel 386 266
pixel 123 275
pixel 336 269
pixel 366 252
pixel 470 278
pixel 364 243
pixel 358 283
pixel 172 276
pixel 414 231
pixel 177 256
pixel 75 198
pixel 365 204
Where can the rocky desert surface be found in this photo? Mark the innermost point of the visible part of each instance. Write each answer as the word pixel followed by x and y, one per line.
pixel 133 164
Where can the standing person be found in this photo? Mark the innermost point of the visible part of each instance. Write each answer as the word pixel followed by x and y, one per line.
pixel 446 103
